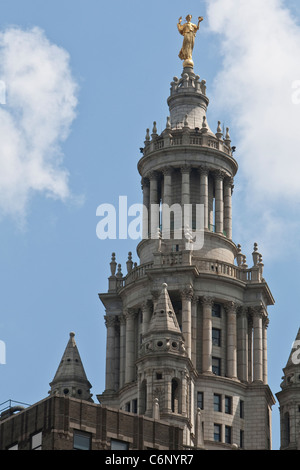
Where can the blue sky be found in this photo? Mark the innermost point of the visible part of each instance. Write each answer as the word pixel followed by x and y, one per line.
pixel 111 65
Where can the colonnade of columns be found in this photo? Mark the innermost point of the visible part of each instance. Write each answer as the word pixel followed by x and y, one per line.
pixel 215 194
pixel 244 351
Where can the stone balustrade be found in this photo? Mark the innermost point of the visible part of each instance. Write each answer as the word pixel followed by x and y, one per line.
pixel 188 137
pixel 186 258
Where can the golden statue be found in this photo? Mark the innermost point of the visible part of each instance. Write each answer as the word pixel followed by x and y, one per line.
pixel 188 30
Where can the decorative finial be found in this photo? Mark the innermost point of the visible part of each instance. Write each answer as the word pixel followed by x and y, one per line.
pixel 227 137
pixel 188 30
pixel 219 132
pixel 119 273
pixel 147 135
pixel 129 262
pixel 185 123
pixel 154 130
pixel 168 126
pixel 204 125
pixel 113 264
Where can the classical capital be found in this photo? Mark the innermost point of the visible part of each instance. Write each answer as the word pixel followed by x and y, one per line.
pixel 207 301
pixel 110 321
pixel 145 182
pixel 187 293
pixel 219 175
pixel 231 307
pixel 185 169
pixel 152 175
pixel 167 171
pixel 129 314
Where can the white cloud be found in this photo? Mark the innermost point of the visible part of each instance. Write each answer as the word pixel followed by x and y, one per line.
pixel 260 44
pixel 35 120
pixel 257 88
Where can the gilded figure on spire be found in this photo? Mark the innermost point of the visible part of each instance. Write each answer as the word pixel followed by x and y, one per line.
pixel 188 30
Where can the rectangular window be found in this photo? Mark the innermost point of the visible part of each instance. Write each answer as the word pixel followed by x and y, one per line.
pixel 228 405
pixel 81 440
pixel 217 402
pixel 216 365
pixel 134 406
pixel 217 432
pixel 241 409
pixel 118 445
pixel 200 400
pixel 241 439
pixel 36 441
pixel 216 310
pixel 228 434
pixel 216 337
pixel 127 406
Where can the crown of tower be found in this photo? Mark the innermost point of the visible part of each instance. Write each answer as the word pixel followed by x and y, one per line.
pixel 70 378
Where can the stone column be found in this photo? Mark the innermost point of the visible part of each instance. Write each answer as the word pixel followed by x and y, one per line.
pixel 185 196
pixel 186 299
pixel 265 348
pixel 130 347
pixel 122 321
pixel 204 194
pixel 110 322
pixel 219 203
pixel 166 199
pixel 154 202
pixel 194 330
pixel 230 308
pixel 250 347
pixel 184 392
pixel 257 345
pixel 207 304
pixel 146 310
pixel 211 203
pixel 243 345
pixel 146 205
pixel 228 187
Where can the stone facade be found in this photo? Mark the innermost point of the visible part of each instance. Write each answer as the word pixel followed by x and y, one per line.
pixel 64 423
pixel 219 379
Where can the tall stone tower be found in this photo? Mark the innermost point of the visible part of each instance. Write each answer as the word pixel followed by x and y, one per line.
pixel 187 323
pixel 289 400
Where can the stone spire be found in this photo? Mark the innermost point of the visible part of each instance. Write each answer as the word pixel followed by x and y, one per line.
pixel 294 358
pixel 70 378
pixel 164 317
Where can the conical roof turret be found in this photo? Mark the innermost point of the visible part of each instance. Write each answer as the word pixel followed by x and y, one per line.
pixel 164 318
pixel 70 378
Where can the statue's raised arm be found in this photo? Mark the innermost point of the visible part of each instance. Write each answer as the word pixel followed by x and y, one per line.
pixel 188 30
